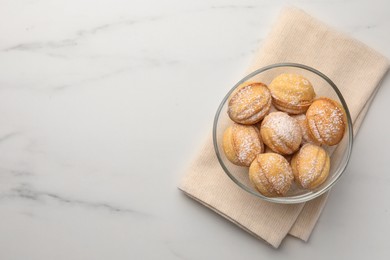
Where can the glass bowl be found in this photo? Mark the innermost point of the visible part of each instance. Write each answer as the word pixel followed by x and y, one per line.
pixel 340 153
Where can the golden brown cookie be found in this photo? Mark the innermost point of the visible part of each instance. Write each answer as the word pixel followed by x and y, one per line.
pixel 310 166
pixel 242 143
pixel 281 133
pixel 326 121
pixel 291 93
pixel 306 135
pixel 271 174
pixel 249 103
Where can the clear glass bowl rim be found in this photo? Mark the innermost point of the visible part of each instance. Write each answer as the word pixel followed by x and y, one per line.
pixel 303 197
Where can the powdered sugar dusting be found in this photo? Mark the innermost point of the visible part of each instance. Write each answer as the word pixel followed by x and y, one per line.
pixel 314 129
pixel 249 100
pixel 278 173
pixel 292 90
pixel 284 127
pixel 312 167
pixel 282 181
pixel 248 143
pixel 310 173
pixel 326 123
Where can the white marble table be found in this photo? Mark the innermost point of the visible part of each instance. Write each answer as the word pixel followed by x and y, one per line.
pixel 95 102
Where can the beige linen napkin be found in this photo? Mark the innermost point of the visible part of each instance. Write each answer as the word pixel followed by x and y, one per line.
pixel 355 68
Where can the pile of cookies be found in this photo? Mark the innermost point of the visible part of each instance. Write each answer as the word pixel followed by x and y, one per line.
pixel 279 132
